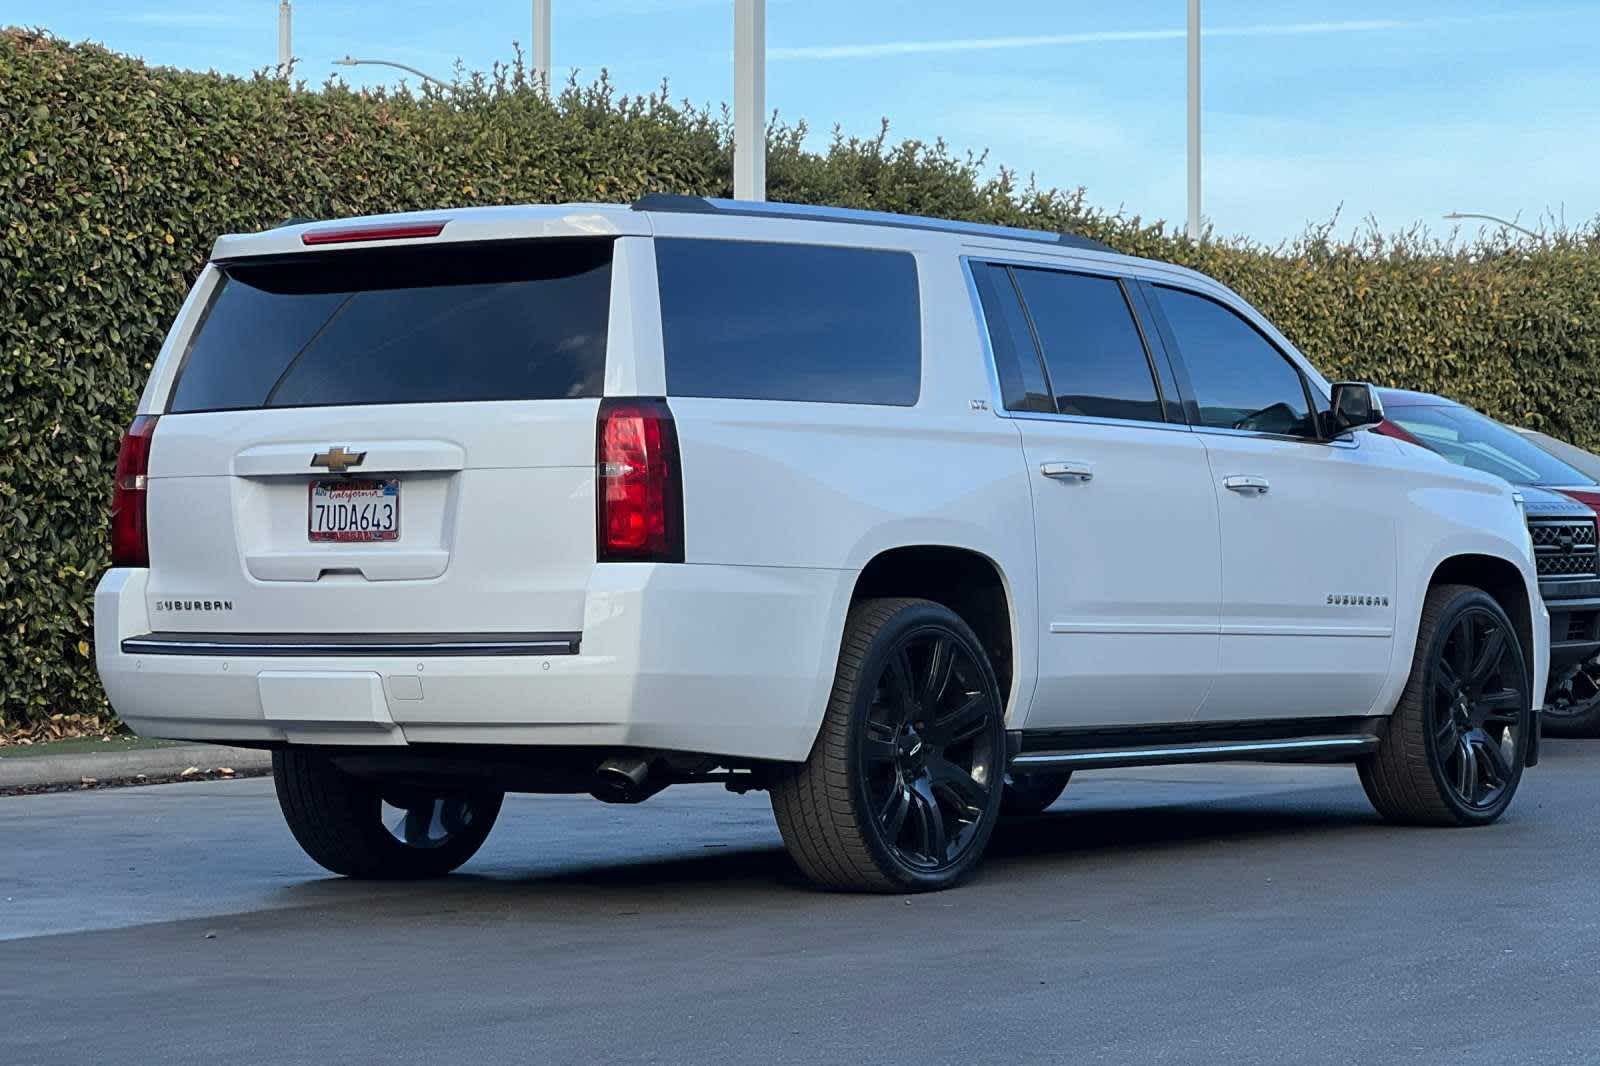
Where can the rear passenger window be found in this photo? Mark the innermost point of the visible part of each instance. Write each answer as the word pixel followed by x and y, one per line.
pixel 759 321
pixel 1092 347
pixel 1240 379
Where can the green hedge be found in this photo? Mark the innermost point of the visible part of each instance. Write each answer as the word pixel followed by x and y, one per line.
pixel 115 178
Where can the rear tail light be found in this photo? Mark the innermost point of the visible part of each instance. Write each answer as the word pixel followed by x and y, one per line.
pixel 130 542
pixel 638 483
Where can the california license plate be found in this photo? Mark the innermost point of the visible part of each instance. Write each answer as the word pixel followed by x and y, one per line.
pixel 354 509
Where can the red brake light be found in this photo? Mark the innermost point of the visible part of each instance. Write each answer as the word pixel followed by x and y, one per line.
pixel 638 483
pixel 372 232
pixel 130 543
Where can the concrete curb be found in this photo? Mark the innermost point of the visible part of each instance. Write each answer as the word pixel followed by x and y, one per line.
pixel 32 771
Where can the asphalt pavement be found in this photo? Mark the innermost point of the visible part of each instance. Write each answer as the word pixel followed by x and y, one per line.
pixel 1217 914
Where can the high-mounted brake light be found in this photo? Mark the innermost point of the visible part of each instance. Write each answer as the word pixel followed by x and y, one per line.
pixel 130 542
pixel 638 483
pixel 372 232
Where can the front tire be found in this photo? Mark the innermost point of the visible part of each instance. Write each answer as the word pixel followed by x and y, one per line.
pixel 362 829
pixel 902 789
pixel 1457 742
pixel 1027 794
pixel 1572 706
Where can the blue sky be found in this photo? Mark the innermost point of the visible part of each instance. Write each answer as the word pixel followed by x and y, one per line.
pixel 1400 110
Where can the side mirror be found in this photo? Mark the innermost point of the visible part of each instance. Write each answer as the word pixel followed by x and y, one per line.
pixel 1355 404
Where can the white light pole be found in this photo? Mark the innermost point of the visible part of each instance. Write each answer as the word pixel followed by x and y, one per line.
pixel 1194 119
pixel 541 42
pixel 285 39
pixel 749 99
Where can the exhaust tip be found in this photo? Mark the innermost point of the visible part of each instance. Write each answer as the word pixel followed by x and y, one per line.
pixel 625 779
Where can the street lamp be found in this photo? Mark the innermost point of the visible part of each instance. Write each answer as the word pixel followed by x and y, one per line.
pixel 348 61
pixel 749 99
pixel 541 42
pixel 285 39
pixel 1194 120
pixel 1456 216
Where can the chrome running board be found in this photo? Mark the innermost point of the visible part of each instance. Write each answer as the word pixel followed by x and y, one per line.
pixel 1329 748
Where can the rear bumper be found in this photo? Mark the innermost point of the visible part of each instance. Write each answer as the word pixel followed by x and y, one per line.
pixel 345 645
pixel 720 660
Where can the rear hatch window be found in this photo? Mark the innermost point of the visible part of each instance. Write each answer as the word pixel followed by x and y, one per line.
pixel 506 320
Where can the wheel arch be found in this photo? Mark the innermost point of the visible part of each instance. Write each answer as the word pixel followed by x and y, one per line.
pixel 1503 581
pixel 970 583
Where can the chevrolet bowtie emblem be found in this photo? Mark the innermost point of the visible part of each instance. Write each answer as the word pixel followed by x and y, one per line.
pixel 337 459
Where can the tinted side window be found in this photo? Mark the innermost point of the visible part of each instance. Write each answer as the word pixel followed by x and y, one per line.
pixel 1092 348
pixel 1240 379
pixel 758 321
pixel 512 320
pixel 1016 359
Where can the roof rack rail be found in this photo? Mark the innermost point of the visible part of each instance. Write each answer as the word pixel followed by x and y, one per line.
pixel 707 205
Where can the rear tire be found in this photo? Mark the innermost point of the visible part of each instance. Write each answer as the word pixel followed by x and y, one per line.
pixel 1454 751
pixel 339 820
pixel 1027 794
pixel 902 789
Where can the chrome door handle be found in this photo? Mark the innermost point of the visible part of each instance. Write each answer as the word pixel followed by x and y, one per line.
pixel 1068 471
pixel 1246 483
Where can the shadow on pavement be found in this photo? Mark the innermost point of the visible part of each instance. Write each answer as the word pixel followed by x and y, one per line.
pixel 1071 833
pixel 1045 845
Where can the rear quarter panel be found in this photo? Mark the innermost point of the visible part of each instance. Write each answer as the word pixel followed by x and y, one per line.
pixel 829 486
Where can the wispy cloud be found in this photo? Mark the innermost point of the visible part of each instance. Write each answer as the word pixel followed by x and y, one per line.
pixel 198 20
pixel 603 9
pixel 882 49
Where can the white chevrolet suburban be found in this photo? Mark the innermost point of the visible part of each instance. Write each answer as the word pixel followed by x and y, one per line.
pixel 902 520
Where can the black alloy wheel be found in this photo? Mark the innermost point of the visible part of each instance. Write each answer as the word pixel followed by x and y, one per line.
pixel 902 788
pixel 930 757
pixel 1572 703
pixel 1478 708
pixel 1453 751
pixel 428 821
pixel 386 830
